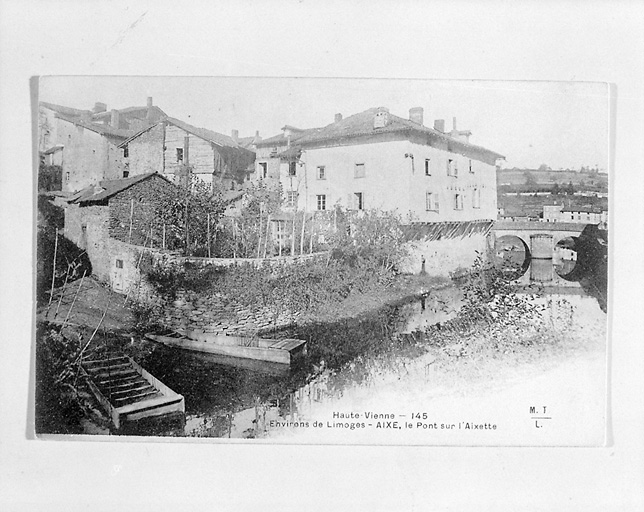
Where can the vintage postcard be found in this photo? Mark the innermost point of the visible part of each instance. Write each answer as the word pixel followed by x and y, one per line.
pixel 322 261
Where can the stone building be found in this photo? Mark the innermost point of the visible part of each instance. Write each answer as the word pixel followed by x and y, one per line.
pixel 171 146
pixel 110 220
pixel 376 160
pixel 582 214
pixel 85 142
pixel 441 185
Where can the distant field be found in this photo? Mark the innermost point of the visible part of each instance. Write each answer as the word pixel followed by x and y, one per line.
pixel 561 184
pixel 532 178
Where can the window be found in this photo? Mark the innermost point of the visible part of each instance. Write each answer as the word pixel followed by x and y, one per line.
pixel 452 168
pixel 431 201
pixel 126 152
pixel 179 154
pixel 119 263
pixel 321 172
pixel 458 201
pixel 358 171
pixel 428 170
pixel 471 169
pixel 359 201
pixel 263 169
pixel 292 169
pixel 476 198
pixel 291 198
pixel 321 201
pixel 67 176
pixel 126 174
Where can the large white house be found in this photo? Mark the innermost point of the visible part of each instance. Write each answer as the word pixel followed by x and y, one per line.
pixel 376 160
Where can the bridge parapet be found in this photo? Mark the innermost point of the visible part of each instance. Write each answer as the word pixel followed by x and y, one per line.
pixel 521 225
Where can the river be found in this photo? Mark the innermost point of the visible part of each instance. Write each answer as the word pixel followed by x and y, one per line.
pixel 247 400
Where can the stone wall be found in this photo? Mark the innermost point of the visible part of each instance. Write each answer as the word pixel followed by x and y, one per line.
pixel 87 227
pixel 218 314
pixel 146 152
pixel 198 312
pixel 445 257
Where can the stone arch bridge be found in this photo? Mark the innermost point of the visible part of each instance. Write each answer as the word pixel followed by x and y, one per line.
pixel 538 237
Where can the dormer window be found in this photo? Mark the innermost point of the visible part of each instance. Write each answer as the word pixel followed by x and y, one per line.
pixel 380 119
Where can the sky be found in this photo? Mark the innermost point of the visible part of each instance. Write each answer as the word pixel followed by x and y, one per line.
pixel 560 124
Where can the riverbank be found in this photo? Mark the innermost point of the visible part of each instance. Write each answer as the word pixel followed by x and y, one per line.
pixel 474 378
pixel 403 288
pixel 120 330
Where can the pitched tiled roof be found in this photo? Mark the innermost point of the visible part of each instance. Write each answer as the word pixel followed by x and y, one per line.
pixel 280 139
pixel 203 133
pixel 98 128
pixel 108 188
pixel 68 111
pixel 154 113
pixel 363 124
pixel 582 209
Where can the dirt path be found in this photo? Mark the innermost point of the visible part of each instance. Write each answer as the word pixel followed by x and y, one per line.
pixel 92 301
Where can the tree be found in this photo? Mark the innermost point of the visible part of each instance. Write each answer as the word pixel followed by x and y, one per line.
pixel 186 210
pixel 556 189
pixel 50 177
pixel 529 178
pixel 248 234
pixel 570 189
pixel 544 167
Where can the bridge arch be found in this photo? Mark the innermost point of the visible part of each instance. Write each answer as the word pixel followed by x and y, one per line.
pixel 525 229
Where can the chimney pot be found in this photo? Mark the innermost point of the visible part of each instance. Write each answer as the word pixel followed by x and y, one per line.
pixel 149 101
pixel 416 115
pixel 338 117
pixel 439 124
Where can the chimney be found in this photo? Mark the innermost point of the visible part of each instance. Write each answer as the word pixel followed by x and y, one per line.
pixel 235 135
pixel 439 124
pixel 99 107
pixel 454 124
pixel 114 121
pixel 416 115
pixel 257 138
pixel 149 101
pixel 338 117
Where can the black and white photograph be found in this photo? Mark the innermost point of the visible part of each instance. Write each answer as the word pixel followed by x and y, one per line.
pixel 323 260
pixel 345 255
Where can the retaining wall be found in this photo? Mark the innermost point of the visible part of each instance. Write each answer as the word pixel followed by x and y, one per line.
pixel 199 312
pixel 446 256
pixel 218 314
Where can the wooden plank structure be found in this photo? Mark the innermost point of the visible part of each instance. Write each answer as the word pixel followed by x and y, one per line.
pixel 429 231
pixel 127 392
pixel 260 349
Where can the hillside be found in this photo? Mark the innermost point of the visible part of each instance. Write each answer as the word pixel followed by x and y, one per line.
pixel 529 180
